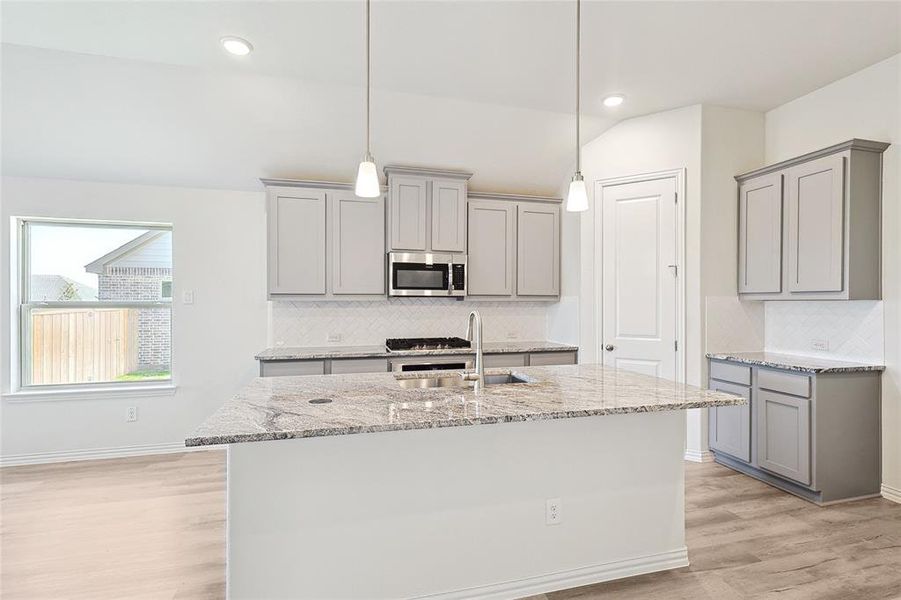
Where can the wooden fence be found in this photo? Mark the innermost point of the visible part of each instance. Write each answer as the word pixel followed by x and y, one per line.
pixel 82 345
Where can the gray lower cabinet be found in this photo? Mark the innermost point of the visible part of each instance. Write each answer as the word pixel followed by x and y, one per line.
pixel 324 243
pixel 809 227
pixel 814 435
pixel 538 359
pixel 730 426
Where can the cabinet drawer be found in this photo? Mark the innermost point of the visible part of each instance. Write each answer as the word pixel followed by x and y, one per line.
pixel 359 365
pixel 505 360
pixel 786 383
pixel 725 371
pixel 538 359
pixel 292 367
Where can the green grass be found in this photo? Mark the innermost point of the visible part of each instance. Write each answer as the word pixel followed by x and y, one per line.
pixel 141 375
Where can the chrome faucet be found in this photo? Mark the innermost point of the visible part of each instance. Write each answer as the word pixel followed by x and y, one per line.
pixel 474 334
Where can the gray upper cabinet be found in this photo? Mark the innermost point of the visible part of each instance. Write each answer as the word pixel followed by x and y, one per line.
pixel 297 241
pixel 427 209
pixel 809 227
pixel 409 213
pixel 492 248
pixel 358 261
pixel 538 250
pixel 816 225
pixel 324 243
pixel 448 215
pixel 760 234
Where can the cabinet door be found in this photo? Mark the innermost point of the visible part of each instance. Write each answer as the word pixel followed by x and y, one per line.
pixel 760 235
pixel 783 435
pixel 296 241
pixel 538 250
pixel 491 246
pixel 407 199
pixel 730 426
pixel 816 225
pixel 358 244
pixel 448 215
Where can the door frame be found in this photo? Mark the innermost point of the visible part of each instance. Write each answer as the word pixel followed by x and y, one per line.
pixel 598 247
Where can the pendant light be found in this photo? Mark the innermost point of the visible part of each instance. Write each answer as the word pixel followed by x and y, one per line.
pixel 367 184
pixel 577 198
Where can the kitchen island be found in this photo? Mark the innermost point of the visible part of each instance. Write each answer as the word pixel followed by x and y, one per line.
pixel 361 486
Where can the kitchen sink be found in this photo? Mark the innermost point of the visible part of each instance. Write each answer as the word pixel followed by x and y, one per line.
pixel 455 381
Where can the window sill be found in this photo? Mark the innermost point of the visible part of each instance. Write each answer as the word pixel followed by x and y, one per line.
pixel 88 393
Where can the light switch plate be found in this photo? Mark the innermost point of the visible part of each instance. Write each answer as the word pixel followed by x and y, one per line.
pixel 188 297
pixel 819 344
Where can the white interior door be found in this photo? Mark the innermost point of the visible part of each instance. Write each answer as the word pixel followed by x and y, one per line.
pixel 640 275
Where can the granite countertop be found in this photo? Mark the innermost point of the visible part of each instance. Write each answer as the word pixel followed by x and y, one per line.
pixel 793 362
pixel 308 353
pixel 274 408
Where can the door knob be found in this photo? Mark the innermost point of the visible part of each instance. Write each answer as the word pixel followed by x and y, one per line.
pixel 609 347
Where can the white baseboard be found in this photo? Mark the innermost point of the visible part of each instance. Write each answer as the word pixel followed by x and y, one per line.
pixel 563 580
pixel 14 460
pixel 891 493
pixel 698 456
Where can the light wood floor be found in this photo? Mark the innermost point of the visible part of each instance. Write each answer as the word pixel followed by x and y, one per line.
pixel 154 527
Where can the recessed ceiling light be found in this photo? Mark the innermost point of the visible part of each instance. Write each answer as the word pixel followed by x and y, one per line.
pixel 236 46
pixel 614 100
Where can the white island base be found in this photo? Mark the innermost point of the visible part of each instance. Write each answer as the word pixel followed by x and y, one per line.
pixel 457 512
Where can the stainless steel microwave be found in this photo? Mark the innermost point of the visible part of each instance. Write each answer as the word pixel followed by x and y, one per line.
pixel 414 274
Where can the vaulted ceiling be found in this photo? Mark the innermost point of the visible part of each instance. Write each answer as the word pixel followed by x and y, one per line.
pixel 141 91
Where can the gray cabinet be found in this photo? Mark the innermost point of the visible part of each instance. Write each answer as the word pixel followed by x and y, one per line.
pixel 448 215
pixel 492 248
pixel 730 426
pixel 816 225
pixel 538 250
pixel 783 435
pixel 358 262
pixel 324 243
pixel 760 234
pixel 426 209
pixel 809 227
pixel 296 241
pixel 814 435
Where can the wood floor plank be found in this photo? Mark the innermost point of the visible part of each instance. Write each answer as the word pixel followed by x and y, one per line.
pixel 154 527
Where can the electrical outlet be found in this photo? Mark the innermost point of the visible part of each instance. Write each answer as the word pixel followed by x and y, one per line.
pixel 553 511
pixel 132 415
pixel 187 297
pixel 511 335
pixel 819 344
pixel 333 337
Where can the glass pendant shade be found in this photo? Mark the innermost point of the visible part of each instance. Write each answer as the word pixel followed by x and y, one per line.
pixel 577 198
pixel 367 185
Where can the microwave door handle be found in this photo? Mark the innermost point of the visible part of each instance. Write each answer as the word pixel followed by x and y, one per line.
pixel 450 279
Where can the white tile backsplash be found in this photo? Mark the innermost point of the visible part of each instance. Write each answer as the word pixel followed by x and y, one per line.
pixel 852 330
pixel 364 323
pixel 733 325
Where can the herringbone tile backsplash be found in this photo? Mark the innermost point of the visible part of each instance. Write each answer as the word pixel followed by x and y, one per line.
pixel 364 323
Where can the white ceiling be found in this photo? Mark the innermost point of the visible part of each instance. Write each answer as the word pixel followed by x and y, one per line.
pixel 483 76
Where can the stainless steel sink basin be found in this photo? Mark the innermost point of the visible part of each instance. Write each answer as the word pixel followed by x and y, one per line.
pixel 455 381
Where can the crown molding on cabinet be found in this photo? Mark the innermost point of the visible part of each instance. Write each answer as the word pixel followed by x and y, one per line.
pixel 426 172
pixel 853 144
pixel 311 183
pixel 513 197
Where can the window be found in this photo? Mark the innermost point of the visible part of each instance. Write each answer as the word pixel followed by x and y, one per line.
pixel 95 302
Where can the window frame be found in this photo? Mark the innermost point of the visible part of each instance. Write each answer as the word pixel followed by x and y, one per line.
pixel 24 307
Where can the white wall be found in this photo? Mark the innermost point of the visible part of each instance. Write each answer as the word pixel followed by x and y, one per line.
pixel 219 253
pixel 866 104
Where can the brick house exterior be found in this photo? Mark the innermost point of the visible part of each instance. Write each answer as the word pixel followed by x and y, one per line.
pixel 140 270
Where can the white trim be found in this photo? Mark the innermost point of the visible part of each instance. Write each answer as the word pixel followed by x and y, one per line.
pixel 114 391
pixel 38 458
pixel 891 493
pixel 681 299
pixel 563 580
pixel 698 456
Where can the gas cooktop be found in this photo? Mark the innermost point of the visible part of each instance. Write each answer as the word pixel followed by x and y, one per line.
pixel 445 343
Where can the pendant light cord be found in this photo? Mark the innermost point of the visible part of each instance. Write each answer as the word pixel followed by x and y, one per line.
pixel 368 150
pixel 578 82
